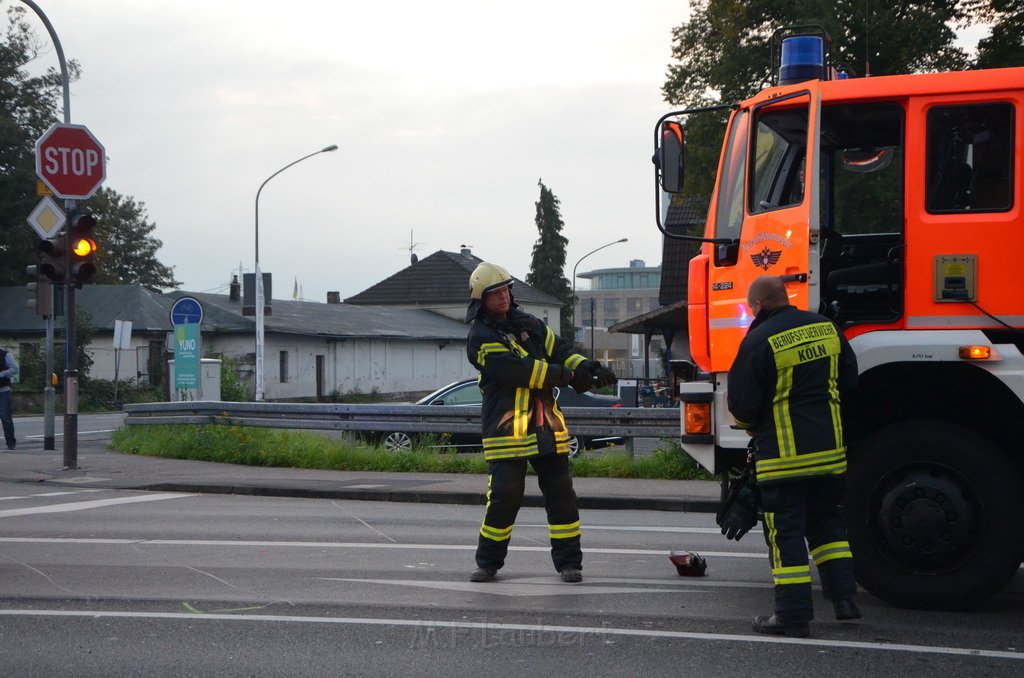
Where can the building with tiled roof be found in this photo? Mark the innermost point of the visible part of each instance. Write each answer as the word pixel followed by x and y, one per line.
pixel 440 283
pixel 311 350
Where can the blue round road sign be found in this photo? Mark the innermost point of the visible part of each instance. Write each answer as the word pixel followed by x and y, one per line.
pixel 186 311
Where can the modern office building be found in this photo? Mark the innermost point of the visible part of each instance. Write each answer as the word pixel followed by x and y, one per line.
pixel 615 295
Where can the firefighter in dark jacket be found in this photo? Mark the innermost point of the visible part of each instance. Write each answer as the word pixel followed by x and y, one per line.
pixel 520 359
pixel 787 386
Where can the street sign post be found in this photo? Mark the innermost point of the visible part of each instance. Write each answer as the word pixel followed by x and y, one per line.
pixel 186 316
pixel 70 161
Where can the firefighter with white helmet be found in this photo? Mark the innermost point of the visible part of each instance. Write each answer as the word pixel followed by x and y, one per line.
pixel 520 360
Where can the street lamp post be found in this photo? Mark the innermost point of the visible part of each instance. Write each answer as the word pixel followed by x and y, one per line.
pixel 259 275
pixel 574 292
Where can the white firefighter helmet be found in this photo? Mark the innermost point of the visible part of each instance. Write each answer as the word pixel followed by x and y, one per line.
pixel 486 277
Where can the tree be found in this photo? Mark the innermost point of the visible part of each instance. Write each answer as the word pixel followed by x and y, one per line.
pixel 723 54
pixel 28 106
pixel 548 262
pixel 127 249
pixel 1005 45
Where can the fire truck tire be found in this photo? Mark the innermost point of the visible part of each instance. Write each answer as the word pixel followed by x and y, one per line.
pixel 934 515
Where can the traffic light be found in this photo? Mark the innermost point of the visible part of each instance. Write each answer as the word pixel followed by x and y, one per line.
pixel 40 292
pixel 82 245
pixel 53 258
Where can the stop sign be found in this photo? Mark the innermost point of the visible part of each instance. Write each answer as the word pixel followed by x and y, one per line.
pixel 70 161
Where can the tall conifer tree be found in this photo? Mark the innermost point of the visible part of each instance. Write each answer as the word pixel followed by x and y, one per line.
pixel 548 263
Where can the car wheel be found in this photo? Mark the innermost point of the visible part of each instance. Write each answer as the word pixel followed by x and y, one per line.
pixel 396 442
pixel 575 447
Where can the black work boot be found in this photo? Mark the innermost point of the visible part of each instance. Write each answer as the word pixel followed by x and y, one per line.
pixel 571 575
pixel 773 627
pixel 845 609
pixel 482 574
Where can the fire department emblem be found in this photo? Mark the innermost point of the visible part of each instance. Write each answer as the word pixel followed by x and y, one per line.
pixel 766 258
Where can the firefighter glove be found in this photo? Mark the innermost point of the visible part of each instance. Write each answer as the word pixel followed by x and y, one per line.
pixel 582 381
pixel 603 376
pixel 738 512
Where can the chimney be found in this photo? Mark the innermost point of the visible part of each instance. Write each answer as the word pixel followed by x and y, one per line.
pixel 334 297
pixel 234 290
pixel 637 263
pixel 465 251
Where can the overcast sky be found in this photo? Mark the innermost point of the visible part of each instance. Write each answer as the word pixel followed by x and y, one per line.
pixel 446 114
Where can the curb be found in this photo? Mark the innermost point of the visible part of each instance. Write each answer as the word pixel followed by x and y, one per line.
pixel 439 497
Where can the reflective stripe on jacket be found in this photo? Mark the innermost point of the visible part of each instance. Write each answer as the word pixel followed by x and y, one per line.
pixel 520 360
pixel 786 385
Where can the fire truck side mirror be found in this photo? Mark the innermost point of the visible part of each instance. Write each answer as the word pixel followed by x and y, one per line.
pixel 669 157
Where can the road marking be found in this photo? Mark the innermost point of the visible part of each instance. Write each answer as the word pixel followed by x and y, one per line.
pixel 83 480
pixel 642 528
pixel 85 505
pixel 597 632
pixel 530 586
pixel 351 545
pixel 512 588
pixel 36 436
pixel 48 494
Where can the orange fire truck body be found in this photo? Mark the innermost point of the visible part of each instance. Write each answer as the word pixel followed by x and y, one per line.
pixel 895 206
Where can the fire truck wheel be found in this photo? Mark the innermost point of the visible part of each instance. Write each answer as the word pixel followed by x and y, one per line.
pixel 934 513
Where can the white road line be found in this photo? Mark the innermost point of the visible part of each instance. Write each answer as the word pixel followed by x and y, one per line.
pixel 429 626
pixel 61 435
pixel 638 528
pixel 348 545
pixel 85 505
pixel 519 588
pixel 48 494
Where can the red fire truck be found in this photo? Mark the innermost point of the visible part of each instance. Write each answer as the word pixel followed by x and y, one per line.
pixel 895 206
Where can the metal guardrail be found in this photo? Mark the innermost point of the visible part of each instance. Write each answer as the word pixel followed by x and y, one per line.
pixel 627 422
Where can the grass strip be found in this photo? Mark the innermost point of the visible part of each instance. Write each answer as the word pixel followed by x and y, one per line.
pixel 303 449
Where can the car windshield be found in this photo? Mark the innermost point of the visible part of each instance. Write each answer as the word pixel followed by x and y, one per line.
pixel 457 393
pixel 467 392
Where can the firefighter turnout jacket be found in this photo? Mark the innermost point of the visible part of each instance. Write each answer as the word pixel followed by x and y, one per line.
pixel 520 359
pixel 786 386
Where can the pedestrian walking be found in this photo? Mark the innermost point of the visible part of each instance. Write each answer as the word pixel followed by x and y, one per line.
pixel 8 369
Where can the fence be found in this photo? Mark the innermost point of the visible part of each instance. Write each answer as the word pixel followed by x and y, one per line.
pixel 627 422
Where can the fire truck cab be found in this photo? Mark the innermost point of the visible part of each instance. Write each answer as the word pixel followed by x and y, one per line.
pixel 894 206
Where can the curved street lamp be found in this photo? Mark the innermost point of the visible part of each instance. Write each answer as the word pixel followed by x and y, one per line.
pixel 259 274
pixel 574 287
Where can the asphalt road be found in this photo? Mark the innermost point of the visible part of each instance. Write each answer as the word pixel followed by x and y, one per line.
pixel 97 581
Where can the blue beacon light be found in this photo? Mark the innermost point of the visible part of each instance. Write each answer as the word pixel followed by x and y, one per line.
pixel 803 58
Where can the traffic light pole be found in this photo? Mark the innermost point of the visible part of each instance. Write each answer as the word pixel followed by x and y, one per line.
pixel 71 345
pixel 70 359
pixel 49 397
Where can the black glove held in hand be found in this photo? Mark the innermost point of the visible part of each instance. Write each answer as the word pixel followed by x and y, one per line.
pixel 582 381
pixel 603 376
pixel 738 512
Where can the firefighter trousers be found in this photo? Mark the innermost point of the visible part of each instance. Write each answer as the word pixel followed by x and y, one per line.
pixel 506 485
pixel 808 509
